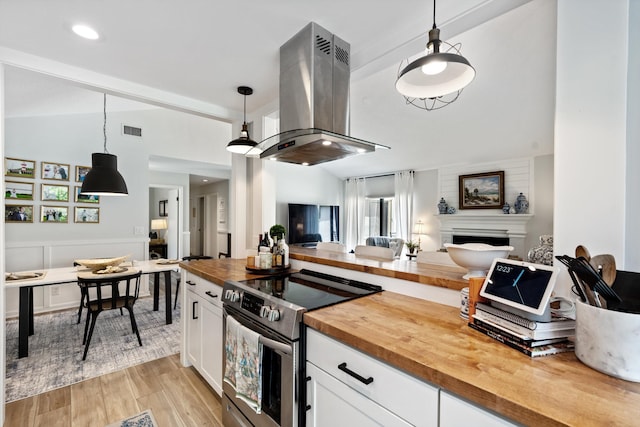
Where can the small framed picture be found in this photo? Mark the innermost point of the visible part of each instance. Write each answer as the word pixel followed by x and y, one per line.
pixel 54 193
pixel 481 190
pixel 87 215
pixel 58 171
pixel 85 198
pixel 81 172
pixel 18 190
pixel 20 168
pixel 162 208
pixel 54 214
pixel 18 213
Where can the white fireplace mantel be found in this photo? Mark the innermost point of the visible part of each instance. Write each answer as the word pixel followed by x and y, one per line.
pixel 513 226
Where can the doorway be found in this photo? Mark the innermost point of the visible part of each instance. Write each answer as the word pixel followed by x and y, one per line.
pixel 166 202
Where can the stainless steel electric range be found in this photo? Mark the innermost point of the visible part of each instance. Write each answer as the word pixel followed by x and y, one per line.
pixel 273 307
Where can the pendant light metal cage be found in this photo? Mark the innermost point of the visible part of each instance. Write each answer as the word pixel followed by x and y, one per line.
pixel 437 78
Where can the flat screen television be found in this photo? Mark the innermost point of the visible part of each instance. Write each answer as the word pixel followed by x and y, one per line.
pixel 310 224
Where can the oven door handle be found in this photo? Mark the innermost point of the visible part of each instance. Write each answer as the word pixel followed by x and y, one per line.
pixel 275 345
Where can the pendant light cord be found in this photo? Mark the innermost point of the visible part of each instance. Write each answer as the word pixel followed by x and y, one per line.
pixel 104 126
pixel 434 14
pixel 244 115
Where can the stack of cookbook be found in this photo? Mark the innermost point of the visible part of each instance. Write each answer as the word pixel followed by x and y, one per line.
pixel 527 336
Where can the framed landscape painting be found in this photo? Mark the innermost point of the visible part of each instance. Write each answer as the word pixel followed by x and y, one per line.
pixel 18 213
pixel 481 190
pixel 54 193
pixel 54 214
pixel 85 198
pixel 20 168
pixel 18 190
pixel 58 171
pixel 87 215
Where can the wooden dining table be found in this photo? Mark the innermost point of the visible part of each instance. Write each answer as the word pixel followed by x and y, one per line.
pixel 63 275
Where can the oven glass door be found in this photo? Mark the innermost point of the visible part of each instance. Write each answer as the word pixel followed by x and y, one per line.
pixel 277 404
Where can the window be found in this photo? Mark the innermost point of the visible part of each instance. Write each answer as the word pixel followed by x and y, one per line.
pixel 379 217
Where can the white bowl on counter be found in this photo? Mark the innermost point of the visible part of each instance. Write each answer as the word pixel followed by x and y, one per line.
pixel 476 257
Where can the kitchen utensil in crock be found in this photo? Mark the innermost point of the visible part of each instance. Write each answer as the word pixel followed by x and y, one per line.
pixel 605 264
pixel 582 251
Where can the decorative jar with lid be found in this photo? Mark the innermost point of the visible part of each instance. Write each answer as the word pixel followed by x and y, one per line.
pixel 442 206
pixel 522 204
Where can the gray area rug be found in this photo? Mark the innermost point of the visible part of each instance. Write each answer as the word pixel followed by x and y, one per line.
pixel 55 350
pixel 143 419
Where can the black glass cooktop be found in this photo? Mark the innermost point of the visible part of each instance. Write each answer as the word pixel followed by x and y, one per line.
pixel 310 289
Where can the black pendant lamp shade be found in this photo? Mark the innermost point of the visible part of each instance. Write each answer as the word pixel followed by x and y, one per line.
pixel 104 179
pixel 437 73
pixel 244 143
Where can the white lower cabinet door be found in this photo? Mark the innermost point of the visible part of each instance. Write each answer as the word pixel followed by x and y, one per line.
pixel 212 345
pixel 334 404
pixel 194 328
pixel 455 412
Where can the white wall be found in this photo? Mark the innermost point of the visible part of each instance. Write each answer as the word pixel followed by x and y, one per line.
pixel 590 129
pixel 2 239
pixel 307 185
pixel 71 140
pixel 632 248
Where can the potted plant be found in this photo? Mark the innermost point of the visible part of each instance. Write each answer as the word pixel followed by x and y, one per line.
pixel 277 232
pixel 412 246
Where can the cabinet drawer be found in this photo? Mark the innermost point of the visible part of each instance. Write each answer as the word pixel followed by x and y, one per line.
pixel 209 292
pixel 410 398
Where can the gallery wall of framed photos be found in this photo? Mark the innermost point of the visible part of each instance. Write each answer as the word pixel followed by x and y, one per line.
pixel 47 192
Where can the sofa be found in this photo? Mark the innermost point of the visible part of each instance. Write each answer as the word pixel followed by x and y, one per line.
pixel 394 243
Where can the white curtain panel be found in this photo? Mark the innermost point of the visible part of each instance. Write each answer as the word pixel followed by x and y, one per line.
pixel 403 204
pixel 355 206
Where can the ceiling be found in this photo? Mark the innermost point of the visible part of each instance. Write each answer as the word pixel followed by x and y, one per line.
pixel 202 50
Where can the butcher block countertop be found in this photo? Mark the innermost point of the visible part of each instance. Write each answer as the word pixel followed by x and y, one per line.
pixel 219 270
pixel 432 342
pixel 429 274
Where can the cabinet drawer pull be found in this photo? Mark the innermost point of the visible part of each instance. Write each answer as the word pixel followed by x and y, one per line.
pixel 189 282
pixel 211 295
pixel 343 368
pixel 193 311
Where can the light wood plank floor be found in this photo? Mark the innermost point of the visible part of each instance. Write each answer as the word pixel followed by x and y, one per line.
pixel 177 396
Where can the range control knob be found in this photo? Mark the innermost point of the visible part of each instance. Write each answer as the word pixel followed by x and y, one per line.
pixel 232 296
pixel 274 315
pixel 264 311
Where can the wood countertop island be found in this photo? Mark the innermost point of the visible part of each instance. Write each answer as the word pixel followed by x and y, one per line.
pixel 428 274
pixel 431 342
pixel 219 270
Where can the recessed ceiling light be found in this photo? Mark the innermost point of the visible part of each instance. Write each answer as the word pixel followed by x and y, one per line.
pixel 85 32
pixel 325 142
pixel 205 180
pixel 305 164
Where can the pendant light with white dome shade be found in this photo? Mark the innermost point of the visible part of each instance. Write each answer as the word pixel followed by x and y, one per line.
pixel 437 78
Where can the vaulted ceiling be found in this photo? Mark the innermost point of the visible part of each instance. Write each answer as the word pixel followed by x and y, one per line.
pixel 202 50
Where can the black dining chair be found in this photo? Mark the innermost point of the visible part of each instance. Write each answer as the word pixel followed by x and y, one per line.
pixel 83 297
pixel 187 258
pixel 109 293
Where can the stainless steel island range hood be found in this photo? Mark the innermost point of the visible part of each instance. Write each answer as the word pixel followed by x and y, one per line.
pixel 314 101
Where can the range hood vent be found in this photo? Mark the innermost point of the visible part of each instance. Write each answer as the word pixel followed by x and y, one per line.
pixel 314 101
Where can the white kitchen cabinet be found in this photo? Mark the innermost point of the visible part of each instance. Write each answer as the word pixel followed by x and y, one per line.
pixel 347 388
pixel 455 412
pixel 203 328
pixel 333 403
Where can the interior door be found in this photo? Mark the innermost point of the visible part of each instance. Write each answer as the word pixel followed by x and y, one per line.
pixel 173 231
